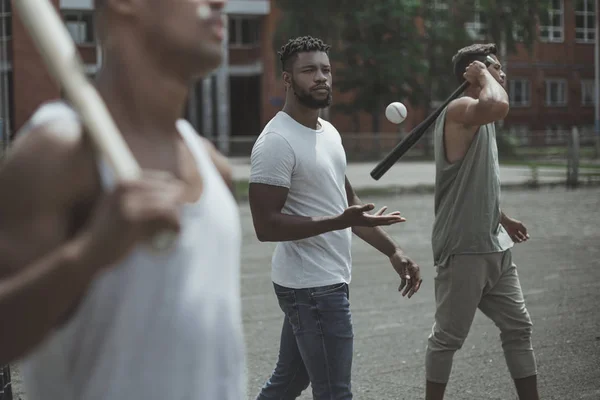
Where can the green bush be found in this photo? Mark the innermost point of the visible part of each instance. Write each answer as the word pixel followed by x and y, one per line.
pixel 507 145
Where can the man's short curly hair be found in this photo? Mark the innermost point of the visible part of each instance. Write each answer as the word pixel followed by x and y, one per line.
pixel 466 55
pixel 289 51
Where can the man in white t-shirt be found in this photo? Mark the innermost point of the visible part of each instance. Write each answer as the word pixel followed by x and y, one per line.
pixel 301 198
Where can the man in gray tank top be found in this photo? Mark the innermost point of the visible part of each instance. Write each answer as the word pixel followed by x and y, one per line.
pixel 472 238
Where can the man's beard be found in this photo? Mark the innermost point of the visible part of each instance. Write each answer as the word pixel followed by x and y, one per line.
pixel 307 100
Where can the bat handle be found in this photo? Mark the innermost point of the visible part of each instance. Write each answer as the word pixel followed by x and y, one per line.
pixel 381 168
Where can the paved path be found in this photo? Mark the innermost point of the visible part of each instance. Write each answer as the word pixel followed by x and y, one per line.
pixel 408 175
pixel 560 272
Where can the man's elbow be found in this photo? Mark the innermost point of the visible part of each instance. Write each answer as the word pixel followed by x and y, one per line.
pixel 501 109
pixel 262 235
pixel 490 111
pixel 265 236
pixel 263 232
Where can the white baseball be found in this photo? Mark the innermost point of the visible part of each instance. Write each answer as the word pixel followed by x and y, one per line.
pixel 396 112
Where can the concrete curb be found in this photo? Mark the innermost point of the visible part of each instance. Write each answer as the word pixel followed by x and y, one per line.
pixel 395 190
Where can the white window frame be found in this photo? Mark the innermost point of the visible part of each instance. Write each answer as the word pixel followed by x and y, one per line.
pixel 475 28
pixel 78 29
pixel 588 32
pixel 517 34
pixel 587 88
pixel 236 22
pixel 525 98
pixel 554 31
pixel 438 7
pixel 565 88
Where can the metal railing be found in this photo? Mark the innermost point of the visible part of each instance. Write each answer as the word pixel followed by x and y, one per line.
pixel 522 145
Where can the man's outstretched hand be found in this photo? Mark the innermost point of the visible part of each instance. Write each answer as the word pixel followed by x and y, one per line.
pixel 358 215
pixel 409 272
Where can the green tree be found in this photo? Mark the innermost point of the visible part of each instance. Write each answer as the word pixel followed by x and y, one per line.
pixel 443 34
pixel 317 18
pixel 509 22
pixel 382 54
pixel 452 24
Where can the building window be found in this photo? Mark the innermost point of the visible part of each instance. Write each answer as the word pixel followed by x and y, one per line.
pixel 438 14
pixel 477 28
pixel 519 92
pixel 552 24
pixel 518 32
pixel 244 31
pixel 556 92
pixel 587 93
pixel 585 18
pixel 80 25
pixel 5 20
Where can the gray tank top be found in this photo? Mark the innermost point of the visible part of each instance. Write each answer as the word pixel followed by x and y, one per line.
pixel 467 198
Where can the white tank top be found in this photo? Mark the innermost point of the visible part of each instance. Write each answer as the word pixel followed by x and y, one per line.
pixel 158 325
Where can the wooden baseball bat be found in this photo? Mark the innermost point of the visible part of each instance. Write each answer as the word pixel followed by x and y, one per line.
pixel 413 137
pixel 60 55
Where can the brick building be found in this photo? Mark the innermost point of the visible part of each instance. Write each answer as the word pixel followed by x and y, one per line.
pixel 25 83
pixel 550 89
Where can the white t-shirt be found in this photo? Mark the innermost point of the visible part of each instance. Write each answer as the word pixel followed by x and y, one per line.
pixel 159 325
pixel 312 164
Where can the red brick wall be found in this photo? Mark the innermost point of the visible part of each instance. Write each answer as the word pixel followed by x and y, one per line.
pixel 567 60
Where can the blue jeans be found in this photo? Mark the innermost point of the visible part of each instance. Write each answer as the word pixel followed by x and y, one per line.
pixel 316 344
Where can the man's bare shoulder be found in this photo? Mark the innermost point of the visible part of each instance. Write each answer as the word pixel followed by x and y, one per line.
pixel 220 161
pixel 50 157
pixel 457 121
pixel 457 108
pixel 47 173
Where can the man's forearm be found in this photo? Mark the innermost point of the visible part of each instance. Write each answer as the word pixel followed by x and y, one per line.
pixel 38 296
pixel 284 227
pixel 503 217
pixel 491 91
pixel 377 238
